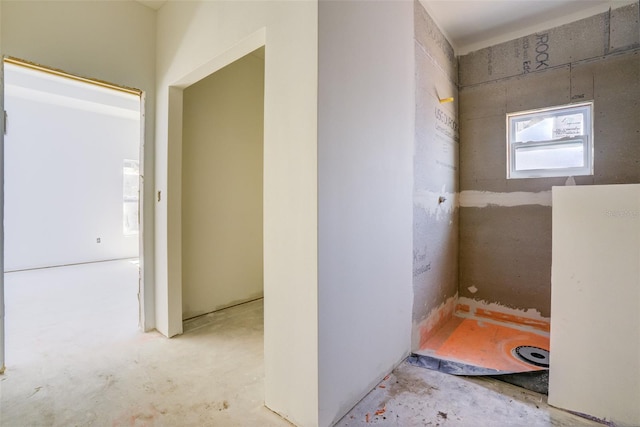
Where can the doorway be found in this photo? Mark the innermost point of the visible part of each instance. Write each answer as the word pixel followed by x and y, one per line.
pixel 71 242
pixel 222 188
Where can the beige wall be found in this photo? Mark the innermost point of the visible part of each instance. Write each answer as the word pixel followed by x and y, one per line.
pixel 222 188
pixel 194 40
pixel 105 40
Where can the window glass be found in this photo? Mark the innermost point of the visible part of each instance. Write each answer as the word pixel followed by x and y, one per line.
pixel 131 174
pixel 550 142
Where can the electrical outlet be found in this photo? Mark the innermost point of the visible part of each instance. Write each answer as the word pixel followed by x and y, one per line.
pixel 98 240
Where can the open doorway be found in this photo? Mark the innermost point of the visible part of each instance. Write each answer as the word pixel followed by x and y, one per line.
pixel 222 188
pixel 71 243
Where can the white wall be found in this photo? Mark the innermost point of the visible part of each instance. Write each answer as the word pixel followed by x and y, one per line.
pixel 111 41
pixel 2 353
pixel 64 176
pixel 194 40
pixel 365 153
pixel 222 188
pixel 595 302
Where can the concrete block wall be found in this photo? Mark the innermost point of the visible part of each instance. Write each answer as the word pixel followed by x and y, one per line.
pixel 436 170
pixel 505 225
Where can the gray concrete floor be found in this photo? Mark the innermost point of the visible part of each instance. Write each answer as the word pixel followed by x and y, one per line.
pixel 415 397
pixel 76 358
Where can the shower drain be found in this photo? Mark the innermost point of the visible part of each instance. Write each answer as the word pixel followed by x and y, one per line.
pixel 533 355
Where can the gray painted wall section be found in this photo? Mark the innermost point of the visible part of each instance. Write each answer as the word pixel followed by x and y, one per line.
pixel 365 145
pixel 505 252
pixel 435 229
pixel 504 263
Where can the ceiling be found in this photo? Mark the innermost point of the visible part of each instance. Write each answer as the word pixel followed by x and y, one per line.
pixel 474 24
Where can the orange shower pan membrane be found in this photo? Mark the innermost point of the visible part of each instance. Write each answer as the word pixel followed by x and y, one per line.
pixel 478 343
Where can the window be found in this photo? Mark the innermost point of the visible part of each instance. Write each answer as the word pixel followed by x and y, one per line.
pixel 130 181
pixel 550 142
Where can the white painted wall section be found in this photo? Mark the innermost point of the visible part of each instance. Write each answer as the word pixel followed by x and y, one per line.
pixel 194 40
pixel 595 302
pixel 2 311
pixel 365 149
pixel 64 178
pixel 105 40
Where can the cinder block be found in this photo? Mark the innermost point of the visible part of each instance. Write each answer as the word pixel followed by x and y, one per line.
pixel 435 236
pixel 539 90
pixel 483 154
pixel 584 39
pixel 624 27
pixel 429 36
pixel 582 82
pixel 495 62
pixel 505 252
pixel 483 149
pixel 437 135
pixel 534 185
pixel 435 261
pixel 483 100
pixel 616 119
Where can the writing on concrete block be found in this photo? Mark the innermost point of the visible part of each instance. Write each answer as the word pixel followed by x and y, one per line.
pixel 539 59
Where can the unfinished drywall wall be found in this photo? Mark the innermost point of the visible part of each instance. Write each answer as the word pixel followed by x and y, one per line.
pixel 64 178
pixel 195 39
pixel 435 179
pixel 596 302
pixel 505 225
pixel 110 41
pixel 365 140
pixel 222 188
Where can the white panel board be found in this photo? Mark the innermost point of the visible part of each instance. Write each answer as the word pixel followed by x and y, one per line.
pixel 595 302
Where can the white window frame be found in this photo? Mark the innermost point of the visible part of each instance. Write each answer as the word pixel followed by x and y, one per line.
pixel 586 140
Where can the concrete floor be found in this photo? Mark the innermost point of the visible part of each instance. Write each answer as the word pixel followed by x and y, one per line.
pixel 415 397
pixel 80 361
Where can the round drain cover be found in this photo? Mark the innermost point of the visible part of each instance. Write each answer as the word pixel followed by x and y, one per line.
pixel 533 355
